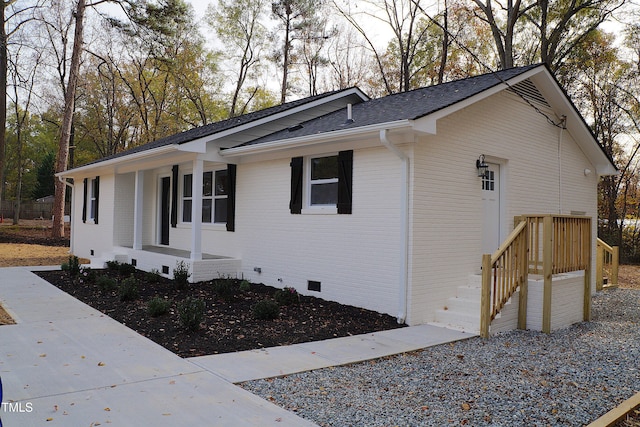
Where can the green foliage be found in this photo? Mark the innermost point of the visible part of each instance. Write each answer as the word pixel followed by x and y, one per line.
pixel 126 269
pixel 72 266
pixel 191 313
pixel 245 286
pixel 128 289
pixel 266 310
pixel 106 284
pixel 113 265
pixel 181 275
pixel 158 306
pixel 154 276
pixel 225 288
pixel 45 181
pixel 287 296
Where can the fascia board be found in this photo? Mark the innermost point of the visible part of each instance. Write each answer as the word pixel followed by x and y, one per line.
pixel 109 165
pixel 359 132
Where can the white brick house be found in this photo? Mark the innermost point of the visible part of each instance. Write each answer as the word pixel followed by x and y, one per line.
pixel 373 203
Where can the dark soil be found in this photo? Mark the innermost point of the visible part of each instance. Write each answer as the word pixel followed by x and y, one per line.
pixel 36 233
pixel 227 326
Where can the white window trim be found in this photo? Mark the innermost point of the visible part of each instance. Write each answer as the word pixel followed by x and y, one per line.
pixel 206 225
pixel 308 208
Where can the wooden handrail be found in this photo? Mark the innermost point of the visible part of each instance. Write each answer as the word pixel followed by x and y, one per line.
pixel 607 261
pixel 502 274
pixel 539 244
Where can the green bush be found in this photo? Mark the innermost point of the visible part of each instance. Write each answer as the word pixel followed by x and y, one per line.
pixel 72 266
pixel 126 269
pixel 225 289
pixel 245 286
pixel 106 284
pixel 128 289
pixel 287 296
pixel 158 306
pixel 113 265
pixel 266 310
pixel 191 313
pixel 181 275
pixel 154 276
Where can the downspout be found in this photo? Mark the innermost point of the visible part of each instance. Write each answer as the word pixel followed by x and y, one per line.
pixel 404 226
pixel 71 216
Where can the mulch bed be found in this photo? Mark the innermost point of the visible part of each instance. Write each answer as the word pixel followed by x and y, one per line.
pixel 227 326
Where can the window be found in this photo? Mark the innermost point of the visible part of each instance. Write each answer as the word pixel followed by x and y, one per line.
pixel 488 181
pixel 215 194
pixel 91 199
pixel 187 199
pixel 323 181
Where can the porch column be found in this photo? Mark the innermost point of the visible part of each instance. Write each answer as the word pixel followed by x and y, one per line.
pixel 137 210
pixel 196 211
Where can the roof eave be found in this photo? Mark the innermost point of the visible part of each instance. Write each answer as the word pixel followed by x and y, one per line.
pixel 303 141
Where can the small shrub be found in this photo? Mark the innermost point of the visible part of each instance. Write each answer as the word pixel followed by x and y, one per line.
pixel 158 306
pixel 72 266
pixel 113 265
pixel 128 289
pixel 126 269
pixel 225 289
pixel 245 286
pixel 106 284
pixel 287 296
pixel 266 310
pixel 191 313
pixel 181 275
pixel 154 276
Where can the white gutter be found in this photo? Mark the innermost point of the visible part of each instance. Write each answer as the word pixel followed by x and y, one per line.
pixel 404 226
pixel 312 139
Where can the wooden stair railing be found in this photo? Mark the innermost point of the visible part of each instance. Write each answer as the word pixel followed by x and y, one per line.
pixel 502 274
pixel 607 261
pixel 539 244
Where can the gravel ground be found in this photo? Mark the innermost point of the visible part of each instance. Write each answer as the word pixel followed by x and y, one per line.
pixel 568 378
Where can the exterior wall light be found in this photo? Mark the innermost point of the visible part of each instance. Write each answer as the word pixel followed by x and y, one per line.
pixel 482 166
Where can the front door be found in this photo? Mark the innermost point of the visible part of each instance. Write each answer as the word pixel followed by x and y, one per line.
pixel 165 206
pixel 491 209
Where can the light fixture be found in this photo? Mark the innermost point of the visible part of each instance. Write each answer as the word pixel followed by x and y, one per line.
pixel 482 167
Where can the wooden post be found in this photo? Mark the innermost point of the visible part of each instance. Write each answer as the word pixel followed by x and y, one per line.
pixel 614 266
pixel 547 271
pixel 485 298
pixel 524 280
pixel 599 267
pixel 587 271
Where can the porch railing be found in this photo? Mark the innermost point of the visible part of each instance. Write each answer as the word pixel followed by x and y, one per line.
pixel 539 244
pixel 607 259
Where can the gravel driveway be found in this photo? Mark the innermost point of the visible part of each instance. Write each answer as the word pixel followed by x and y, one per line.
pixel 519 378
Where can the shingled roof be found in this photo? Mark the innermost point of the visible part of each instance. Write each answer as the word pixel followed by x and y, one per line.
pixel 217 127
pixel 402 106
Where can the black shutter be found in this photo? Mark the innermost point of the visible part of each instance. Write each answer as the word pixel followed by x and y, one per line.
pixel 174 196
pixel 345 181
pixel 231 197
pixel 96 193
pixel 295 206
pixel 84 201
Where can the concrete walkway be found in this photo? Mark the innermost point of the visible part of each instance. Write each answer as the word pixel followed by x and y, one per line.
pixel 65 363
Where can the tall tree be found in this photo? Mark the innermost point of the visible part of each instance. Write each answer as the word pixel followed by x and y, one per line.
pixel 67 119
pixel 237 23
pixel 293 16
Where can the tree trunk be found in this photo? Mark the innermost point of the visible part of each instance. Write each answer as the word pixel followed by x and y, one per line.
pixel 65 131
pixel 3 95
